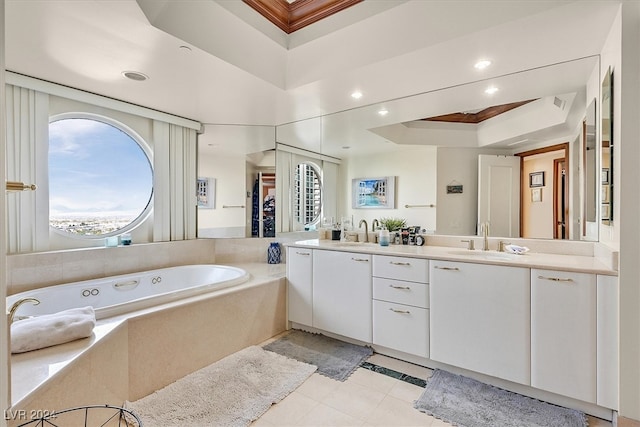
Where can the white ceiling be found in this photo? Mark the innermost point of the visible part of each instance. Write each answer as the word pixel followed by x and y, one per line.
pixel 239 69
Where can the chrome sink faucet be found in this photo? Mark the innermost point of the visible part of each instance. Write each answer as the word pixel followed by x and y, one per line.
pixel 17 304
pixel 484 229
pixel 366 231
pixel 375 224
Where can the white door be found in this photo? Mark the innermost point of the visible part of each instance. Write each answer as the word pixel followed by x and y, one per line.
pixel 499 194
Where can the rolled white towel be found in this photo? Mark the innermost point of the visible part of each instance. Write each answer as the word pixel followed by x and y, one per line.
pixel 52 329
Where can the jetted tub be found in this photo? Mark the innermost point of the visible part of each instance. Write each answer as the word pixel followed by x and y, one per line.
pixel 115 295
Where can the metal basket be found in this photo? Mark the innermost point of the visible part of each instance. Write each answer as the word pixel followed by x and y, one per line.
pixel 87 416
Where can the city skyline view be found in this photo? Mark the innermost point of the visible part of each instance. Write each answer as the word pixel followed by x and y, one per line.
pixel 100 179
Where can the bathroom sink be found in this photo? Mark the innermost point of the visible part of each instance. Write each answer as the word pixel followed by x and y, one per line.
pixel 488 255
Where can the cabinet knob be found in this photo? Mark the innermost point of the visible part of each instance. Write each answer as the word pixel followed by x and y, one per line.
pixel 303 253
pixel 556 279
pixel 400 287
pixel 400 311
pixel 360 259
pixel 399 263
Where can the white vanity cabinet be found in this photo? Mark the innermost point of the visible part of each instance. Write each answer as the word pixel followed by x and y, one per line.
pixel 300 285
pixel 563 333
pixel 480 318
pixel 342 293
pixel 400 304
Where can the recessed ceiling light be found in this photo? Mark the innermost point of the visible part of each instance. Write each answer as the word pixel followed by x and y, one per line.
pixel 135 75
pixel 491 90
pixel 482 64
pixel 184 48
pixel 356 95
pixel 345 147
pixel 383 112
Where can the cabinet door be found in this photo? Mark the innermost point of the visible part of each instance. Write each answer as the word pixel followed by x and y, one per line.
pixel 563 333
pixel 480 318
pixel 401 327
pixel 300 285
pixel 342 293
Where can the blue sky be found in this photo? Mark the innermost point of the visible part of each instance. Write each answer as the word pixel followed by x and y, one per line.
pixel 96 169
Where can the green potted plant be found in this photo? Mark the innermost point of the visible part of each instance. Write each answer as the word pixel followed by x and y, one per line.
pixel 393 224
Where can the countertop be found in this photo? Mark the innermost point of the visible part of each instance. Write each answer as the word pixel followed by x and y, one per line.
pixel 558 262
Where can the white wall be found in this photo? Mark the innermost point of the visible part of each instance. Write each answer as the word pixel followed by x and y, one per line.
pixel 626 234
pixel 458 213
pixel 228 169
pixel 5 371
pixel 416 174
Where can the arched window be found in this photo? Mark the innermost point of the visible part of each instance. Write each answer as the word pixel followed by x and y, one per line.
pixel 307 194
pixel 100 177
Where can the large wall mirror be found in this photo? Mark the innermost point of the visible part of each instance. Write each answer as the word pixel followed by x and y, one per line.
pixel 422 141
pixel 238 165
pixel 431 142
pixel 606 180
pixel 590 166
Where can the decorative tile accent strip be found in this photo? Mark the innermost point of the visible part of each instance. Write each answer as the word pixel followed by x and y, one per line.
pixel 394 374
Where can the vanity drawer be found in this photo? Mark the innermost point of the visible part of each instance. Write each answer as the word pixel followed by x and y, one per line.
pixel 401 328
pixel 401 268
pixel 401 292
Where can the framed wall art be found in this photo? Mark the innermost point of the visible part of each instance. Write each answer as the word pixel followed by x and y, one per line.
pixel 206 193
pixel 373 193
pixel 536 179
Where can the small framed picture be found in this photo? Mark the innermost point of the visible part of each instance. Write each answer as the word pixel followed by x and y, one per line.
pixel 206 193
pixel 536 179
pixel 536 195
pixel 605 194
pixel 604 177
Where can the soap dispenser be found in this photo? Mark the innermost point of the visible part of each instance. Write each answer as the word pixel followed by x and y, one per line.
pixel 384 237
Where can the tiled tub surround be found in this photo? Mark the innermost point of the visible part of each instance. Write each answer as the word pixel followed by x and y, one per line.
pixel 133 355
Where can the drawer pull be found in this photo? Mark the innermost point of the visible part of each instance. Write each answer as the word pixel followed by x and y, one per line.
pixel 400 287
pixel 447 268
pixel 399 263
pixel 556 279
pixel 395 310
pixel 360 259
pixel 303 253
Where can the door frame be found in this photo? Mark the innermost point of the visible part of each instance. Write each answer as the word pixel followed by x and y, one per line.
pixel 556 197
pixel 557 147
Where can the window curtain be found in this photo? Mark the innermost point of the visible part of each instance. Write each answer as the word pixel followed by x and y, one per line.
pixel 27 133
pixel 175 202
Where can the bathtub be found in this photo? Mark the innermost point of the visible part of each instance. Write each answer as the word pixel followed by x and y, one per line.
pixel 111 296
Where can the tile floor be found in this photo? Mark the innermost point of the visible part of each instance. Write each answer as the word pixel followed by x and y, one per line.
pixel 366 398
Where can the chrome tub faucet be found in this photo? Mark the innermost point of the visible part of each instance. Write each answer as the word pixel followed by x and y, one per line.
pixel 17 304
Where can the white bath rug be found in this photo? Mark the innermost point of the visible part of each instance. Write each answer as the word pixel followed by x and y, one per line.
pixel 231 392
